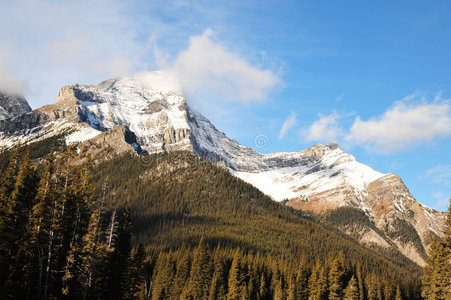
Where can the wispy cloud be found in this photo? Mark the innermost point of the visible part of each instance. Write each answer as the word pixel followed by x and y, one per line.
pixel 408 123
pixel 54 43
pixel 441 200
pixel 10 83
pixel 290 122
pixel 88 41
pixel 439 174
pixel 402 126
pixel 206 66
pixel 326 129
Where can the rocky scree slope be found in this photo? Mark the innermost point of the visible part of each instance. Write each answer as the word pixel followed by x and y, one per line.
pixel 138 114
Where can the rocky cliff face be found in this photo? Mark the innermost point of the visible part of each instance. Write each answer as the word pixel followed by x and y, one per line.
pixel 12 106
pixel 130 114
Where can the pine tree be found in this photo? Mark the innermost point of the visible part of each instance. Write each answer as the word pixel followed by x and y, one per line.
pixel 19 231
pixel 398 295
pixel 302 278
pixel 371 283
pixel 137 274
pixel 236 277
pixel 336 278
pixel 81 261
pixel 45 221
pixel 253 281
pixel 352 290
pixel 119 262
pixel 198 284
pixel 291 293
pixel 218 287
pixel 277 285
pixel 318 283
pixel 437 274
pixel 164 276
pixel 263 289
pixel 7 185
pixel 361 282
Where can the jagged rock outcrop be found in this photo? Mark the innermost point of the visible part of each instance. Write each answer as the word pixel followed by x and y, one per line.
pixel 133 114
pixel 12 106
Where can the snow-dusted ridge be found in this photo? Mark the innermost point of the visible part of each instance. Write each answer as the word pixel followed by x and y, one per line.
pixel 152 110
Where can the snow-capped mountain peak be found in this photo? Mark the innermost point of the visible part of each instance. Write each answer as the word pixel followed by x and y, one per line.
pixel 148 113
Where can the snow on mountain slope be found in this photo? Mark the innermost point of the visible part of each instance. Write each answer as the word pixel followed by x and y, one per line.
pixel 150 114
pixel 331 170
pixel 12 106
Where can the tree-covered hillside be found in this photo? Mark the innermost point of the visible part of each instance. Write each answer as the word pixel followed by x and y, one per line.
pixel 171 226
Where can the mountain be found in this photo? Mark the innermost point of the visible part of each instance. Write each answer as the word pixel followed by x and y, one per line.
pixel 12 106
pixel 142 114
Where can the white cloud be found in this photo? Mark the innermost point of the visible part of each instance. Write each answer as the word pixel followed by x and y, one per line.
pixel 288 124
pixel 55 43
pixel 326 129
pixel 9 82
pixel 207 67
pixel 440 174
pixel 402 126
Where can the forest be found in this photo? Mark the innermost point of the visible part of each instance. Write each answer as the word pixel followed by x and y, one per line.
pixel 175 226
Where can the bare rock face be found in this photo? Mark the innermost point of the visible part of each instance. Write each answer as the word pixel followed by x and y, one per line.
pixel 109 143
pixel 409 223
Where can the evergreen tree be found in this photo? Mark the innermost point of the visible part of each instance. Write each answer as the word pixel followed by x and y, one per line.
pixel 263 289
pixel 253 281
pixel 19 231
pixel 398 295
pixel 45 220
pixel 236 277
pixel 437 274
pixel 137 274
pixel 218 287
pixel 198 284
pixel 302 280
pixel 371 283
pixel 119 262
pixel 361 282
pixel 318 283
pixel 164 276
pixel 291 293
pixel 352 290
pixel 336 278
pixel 7 184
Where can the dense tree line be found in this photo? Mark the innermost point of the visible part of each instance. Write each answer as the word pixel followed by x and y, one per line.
pixel 52 242
pixel 66 232
pixel 179 198
pixel 220 273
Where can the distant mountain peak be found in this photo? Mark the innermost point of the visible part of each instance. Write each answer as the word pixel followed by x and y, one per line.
pixel 12 106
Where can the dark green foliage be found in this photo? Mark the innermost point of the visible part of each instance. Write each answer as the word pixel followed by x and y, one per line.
pixel 182 208
pixel 405 232
pixel 37 149
pixel 236 278
pixel 352 290
pixel 337 274
pixel 348 215
pixel 200 276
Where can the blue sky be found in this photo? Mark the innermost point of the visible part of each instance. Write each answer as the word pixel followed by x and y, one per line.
pixel 372 75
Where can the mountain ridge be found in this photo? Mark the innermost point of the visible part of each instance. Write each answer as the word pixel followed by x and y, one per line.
pixel 318 178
